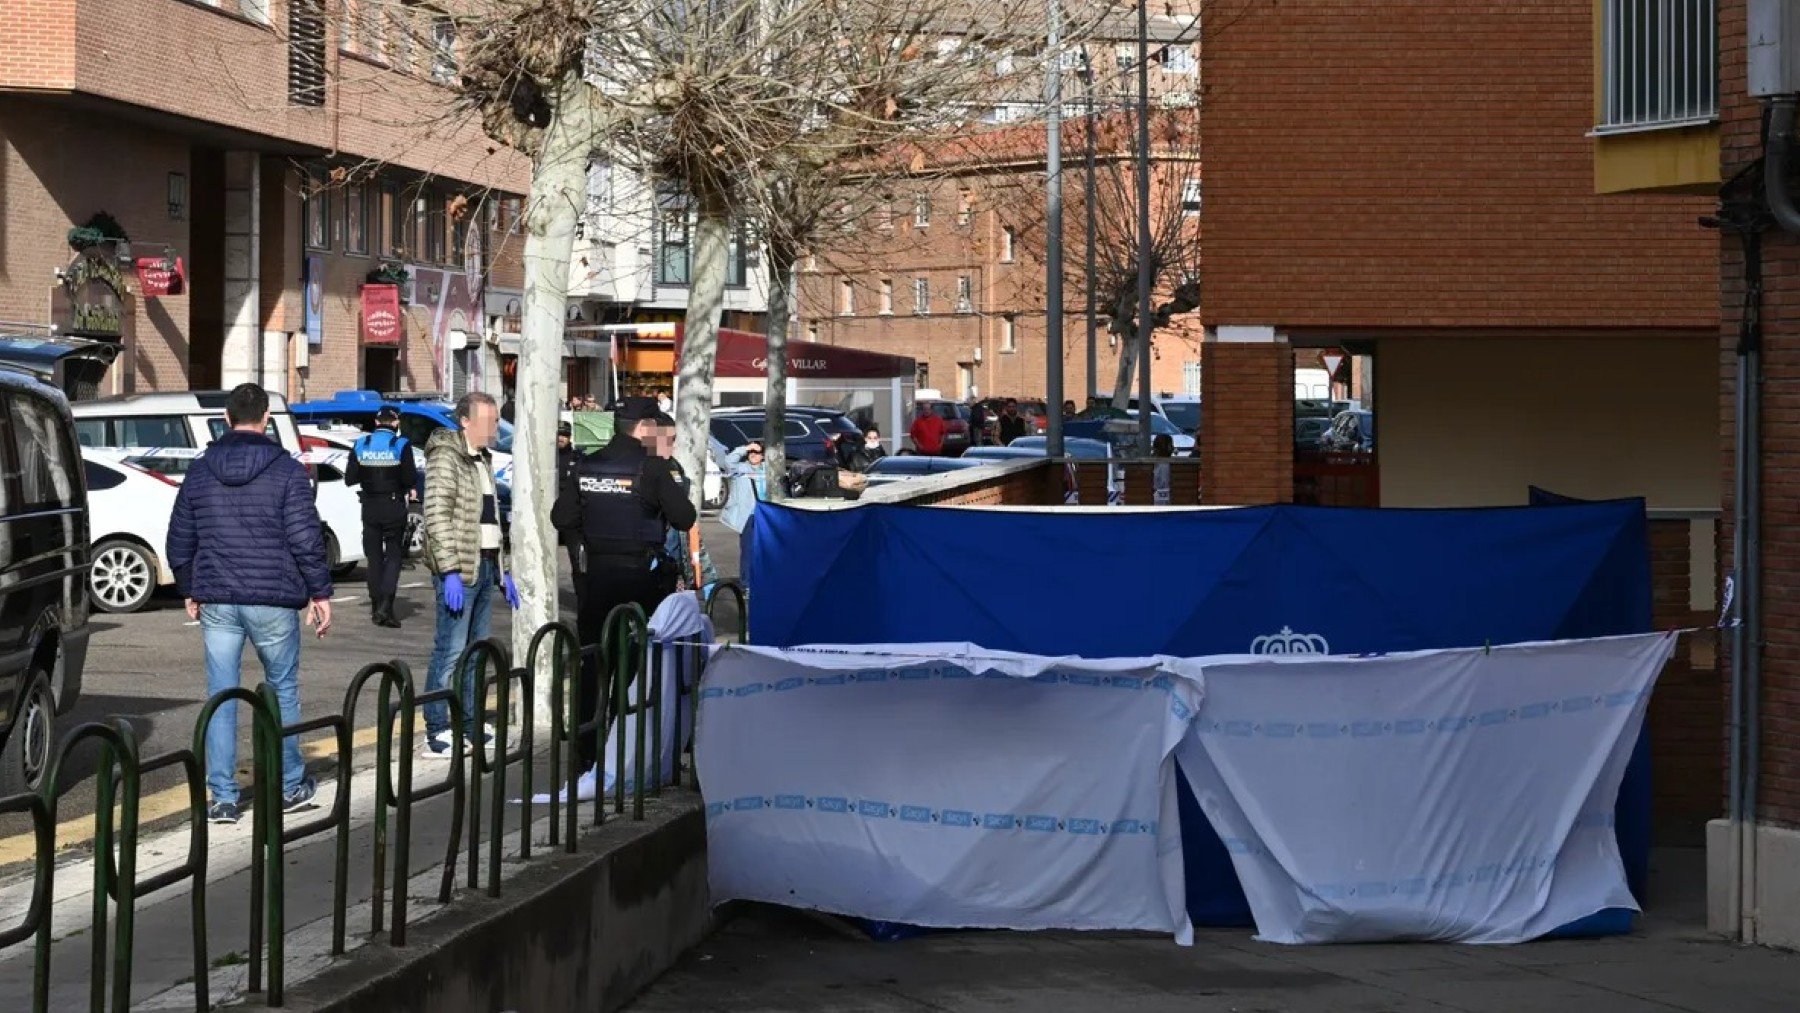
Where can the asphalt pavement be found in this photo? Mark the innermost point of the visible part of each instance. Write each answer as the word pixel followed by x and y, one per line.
pixel 147 668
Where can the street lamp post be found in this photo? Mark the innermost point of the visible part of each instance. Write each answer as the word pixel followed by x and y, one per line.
pixel 1053 280
pixel 1144 244
pixel 1093 319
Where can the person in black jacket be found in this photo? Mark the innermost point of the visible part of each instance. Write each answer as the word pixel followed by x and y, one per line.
pixel 382 464
pixel 567 456
pixel 1012 424
pixel 248 551
pixel 623 499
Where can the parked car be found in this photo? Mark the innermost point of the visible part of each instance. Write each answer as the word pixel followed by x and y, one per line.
pixel 1351 432
pixel 340 506
pixel 420 416
pixel 1122 433
pixel 44 556
pixel 1309 432
pixel 804 433
pixel 128 521
pixel 172 422
pixel 902 467
pixel 74 366
pixel 1184 411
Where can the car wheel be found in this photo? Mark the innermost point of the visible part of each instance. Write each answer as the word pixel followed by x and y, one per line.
pixel 718 502
pixel 26 755
pixel 123 576
pixel 333 557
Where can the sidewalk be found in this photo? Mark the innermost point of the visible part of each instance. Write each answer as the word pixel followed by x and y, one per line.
pixel 771 959
pixel 163 969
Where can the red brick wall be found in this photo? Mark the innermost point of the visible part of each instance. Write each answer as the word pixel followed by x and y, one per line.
pixel 1247 442
pixel 1029 487
pixel 1425 163
pixel 1687 712
pixel 1779 796
pixel 37 44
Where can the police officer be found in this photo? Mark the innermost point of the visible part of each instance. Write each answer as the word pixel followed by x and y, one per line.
pixel 623 498
pixel 382 464
pixel 567 457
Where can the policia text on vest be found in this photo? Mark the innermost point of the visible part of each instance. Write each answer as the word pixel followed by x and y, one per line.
pixel 623 500
pixel 381 463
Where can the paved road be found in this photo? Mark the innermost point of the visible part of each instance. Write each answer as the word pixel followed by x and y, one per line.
pixel 770 959
pixel 147 668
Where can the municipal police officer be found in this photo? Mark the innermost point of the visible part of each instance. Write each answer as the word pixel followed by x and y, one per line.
pixel 623 498
pixel 382 464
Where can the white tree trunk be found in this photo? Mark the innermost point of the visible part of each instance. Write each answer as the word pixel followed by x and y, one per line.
pixel 558 193
pixel 1127 375
pixel 700 343
pixel 781 312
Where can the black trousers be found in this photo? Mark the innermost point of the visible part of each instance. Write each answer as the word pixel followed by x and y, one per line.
pixel 384 543
pixel 608 582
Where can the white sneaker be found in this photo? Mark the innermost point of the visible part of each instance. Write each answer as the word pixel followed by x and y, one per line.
pixel 437 747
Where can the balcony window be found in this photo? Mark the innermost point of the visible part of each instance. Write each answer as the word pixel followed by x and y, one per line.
pixel 1009 337
pixel 1659 64
pixel 922 211
pixel 965 302
pixel 887 296
pixel 1181 60
pixel 1006 245
pixel 846 299
pixel 443 50
pixel 674 239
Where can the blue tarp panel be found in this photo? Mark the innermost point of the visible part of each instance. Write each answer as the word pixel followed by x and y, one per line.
pixel 1212 582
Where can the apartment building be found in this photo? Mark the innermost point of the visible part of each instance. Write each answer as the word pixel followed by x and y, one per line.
pixel 235 174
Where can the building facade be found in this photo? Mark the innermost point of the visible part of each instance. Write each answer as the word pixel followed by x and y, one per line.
pixel 1380 179
pixel 285 158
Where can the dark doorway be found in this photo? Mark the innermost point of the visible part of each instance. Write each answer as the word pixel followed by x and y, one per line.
pixel 381 368
pixel 206 270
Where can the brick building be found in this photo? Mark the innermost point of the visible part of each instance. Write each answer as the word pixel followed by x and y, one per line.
pixel 267 151
pixel 1418 182
pixel 947 263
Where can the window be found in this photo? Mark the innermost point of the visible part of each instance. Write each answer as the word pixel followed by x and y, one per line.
pixel 599 191
pixel 922 210
pixel 306 53
pixel 149 431
pixel 1125 54
pixel 887 296
pixel 367 31
pixel 965 207
pixel 673 239
pixel 737 257
pixel 1006 245
pixel 884 213
pixel 812 332
pixel 1659 64
pixel 255 10
pixel 318 219
pixel 400 36
pixel 100 476
pixel 459 241
pixel 46 461
pixel 356 220
pixel 1180 60
pixel 401 242
pixel 1009 336
pixel 436 232
pixel 812 262
pixel 178 195
pixel 1190 198
pixel 1004 65
pixel 443 50
pixel 846 299
pixel 964 290
pixel 921 296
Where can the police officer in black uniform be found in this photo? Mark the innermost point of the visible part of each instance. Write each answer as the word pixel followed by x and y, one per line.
pixel 567 457
pixel 382 464
pixel 623 499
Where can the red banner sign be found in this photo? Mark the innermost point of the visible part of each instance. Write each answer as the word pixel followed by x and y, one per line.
pixel 158 276
pixel 381 323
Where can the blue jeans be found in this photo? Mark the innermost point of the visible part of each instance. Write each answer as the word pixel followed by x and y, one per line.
pixel 455 632
pixel 275 633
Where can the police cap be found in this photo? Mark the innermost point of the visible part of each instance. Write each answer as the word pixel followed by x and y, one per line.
pixel 387 415
pixel 635 409
pixel 564 429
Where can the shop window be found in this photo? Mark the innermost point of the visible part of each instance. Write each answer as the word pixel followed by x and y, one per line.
pixel 318 219
pixel 356 220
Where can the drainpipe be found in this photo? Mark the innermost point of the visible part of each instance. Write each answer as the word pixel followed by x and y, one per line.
pixel 1746 633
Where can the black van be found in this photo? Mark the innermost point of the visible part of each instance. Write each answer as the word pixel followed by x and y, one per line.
pixel 43 575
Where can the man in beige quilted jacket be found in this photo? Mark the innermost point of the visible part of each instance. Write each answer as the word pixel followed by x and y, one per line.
pixel 465 546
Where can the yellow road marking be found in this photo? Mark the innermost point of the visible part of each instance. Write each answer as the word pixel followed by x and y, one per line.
pixel 162 804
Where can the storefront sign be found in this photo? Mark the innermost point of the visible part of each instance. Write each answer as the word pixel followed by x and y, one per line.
pixel 313 305
pixel 381 322
pixel 160 276
pixel 91 300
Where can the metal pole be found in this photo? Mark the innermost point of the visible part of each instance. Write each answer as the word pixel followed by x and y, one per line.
pixel 1144 241
pixel 1053 268
pixel 1093 326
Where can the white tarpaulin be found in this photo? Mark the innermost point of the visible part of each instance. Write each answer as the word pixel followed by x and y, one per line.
pixel 938 785
pixel 1445 795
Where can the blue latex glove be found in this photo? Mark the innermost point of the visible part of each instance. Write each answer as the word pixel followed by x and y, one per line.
pixel 512 591
pixel 453 592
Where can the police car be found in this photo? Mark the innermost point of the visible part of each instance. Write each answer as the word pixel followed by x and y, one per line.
pixel 420 416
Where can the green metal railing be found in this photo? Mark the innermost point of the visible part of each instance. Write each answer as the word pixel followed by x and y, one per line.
pixel 626 669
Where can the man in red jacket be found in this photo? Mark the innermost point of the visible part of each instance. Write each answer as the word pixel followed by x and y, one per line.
pixel 927 432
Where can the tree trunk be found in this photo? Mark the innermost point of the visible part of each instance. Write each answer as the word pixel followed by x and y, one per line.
pixel 1128 347
pixel 700 342
pixel 781 312
pixel 558 191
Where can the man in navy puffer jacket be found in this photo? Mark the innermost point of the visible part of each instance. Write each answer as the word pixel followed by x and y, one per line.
pixel 248 552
